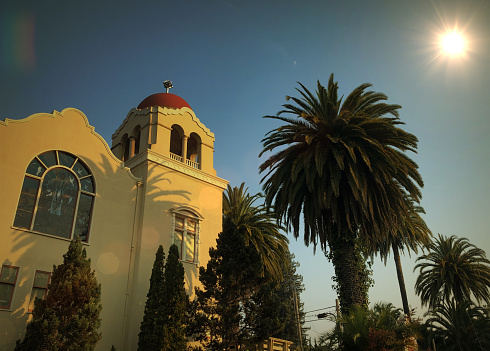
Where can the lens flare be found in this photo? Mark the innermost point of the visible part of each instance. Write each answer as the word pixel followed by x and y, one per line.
pixel 453 43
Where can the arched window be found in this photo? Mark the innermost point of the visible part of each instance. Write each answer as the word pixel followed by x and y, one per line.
pixel 57 196
pixel 185 233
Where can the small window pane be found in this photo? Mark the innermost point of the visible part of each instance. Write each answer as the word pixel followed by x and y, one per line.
pixel 41 280
pixel 190 225
pixel 9 274
pixel 80 170
pixel 5 294
pixel 66 159
pixel 83 216
pixel 35 168
pixel 37 293
pixel 179 222
pixel 189 247
pixel 23 219
pixel 178 242
pixel 87 185
pixel 48 158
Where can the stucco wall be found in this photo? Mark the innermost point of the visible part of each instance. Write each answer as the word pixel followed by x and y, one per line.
pixel 111 230
pixel 132 212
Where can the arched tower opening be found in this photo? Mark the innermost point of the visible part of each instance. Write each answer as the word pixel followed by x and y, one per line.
pixel 136 137
pixel 193 156
pixel 176 137
pixel 126 146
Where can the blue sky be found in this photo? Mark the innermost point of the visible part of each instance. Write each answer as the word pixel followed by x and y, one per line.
pixel 235 61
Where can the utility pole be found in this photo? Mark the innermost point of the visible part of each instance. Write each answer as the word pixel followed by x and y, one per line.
pixel 298 321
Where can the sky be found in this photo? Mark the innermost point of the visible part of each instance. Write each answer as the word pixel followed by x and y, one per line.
pixel 235 61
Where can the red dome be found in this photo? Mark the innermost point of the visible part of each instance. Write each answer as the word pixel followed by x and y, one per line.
pixel 163 99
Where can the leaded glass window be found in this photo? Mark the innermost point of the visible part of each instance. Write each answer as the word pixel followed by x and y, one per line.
pixel 57 196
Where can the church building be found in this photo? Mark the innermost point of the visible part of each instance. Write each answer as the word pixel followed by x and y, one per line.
pixel 155 185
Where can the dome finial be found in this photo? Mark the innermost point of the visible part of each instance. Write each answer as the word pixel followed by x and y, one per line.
pixel 168 84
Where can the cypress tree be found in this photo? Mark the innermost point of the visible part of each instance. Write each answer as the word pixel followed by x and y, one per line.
pixel 151 330
pixel 68 319
pixel 175 303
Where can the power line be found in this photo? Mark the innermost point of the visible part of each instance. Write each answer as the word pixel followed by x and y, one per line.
pixel 324 308
pixel 318 319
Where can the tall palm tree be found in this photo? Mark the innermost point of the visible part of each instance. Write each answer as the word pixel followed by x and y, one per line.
pixel 342 169
pixel 452 268
pixel 412 233
pixel 259 228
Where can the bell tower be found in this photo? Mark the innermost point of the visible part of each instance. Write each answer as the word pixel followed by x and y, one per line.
pixel 180 198
pixel 165 124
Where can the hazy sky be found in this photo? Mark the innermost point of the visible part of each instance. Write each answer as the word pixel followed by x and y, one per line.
pixel 235 61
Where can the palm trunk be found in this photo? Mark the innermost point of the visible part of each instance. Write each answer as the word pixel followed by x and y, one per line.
pixel 350 268
pixel 401 281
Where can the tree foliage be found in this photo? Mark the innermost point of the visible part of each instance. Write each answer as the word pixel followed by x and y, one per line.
pixel 412 233
pixel 68 319
pixel 238 303
pixel 452 275
pixel 378 329
pixel 458 325
pixel 258 227
pixel 151 330
pixel 342 168
pixel 175 304
pixel 453 268
pixel 229 279
pixel 276 308
pixel 164 320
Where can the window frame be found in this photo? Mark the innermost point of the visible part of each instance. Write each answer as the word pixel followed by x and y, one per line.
pixel 38 287
pixel 186 213
pixel 78 175
pixel 8 283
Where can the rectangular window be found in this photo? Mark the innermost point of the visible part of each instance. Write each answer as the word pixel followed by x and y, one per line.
pixel 185 233
pixel 8 279
pixel 39 287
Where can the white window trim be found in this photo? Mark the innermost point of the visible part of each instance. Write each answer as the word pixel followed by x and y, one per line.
pixel 188 212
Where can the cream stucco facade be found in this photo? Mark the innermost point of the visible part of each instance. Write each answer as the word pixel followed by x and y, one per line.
pixel 156 186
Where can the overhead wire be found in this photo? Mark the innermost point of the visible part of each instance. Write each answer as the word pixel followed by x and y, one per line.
pixel 320 309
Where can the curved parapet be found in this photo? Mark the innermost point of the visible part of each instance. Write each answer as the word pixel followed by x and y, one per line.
pixel 58 124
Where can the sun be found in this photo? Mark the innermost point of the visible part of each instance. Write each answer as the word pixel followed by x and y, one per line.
pixel 453 43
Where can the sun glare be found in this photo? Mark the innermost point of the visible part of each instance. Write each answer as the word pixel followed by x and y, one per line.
pixel 453 44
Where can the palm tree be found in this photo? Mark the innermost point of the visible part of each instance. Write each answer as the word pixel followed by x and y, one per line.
pixel 452 268
pixel 412 233
pixel 459 325
pixel 258 227
pixel 379 328
pixel 342 169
